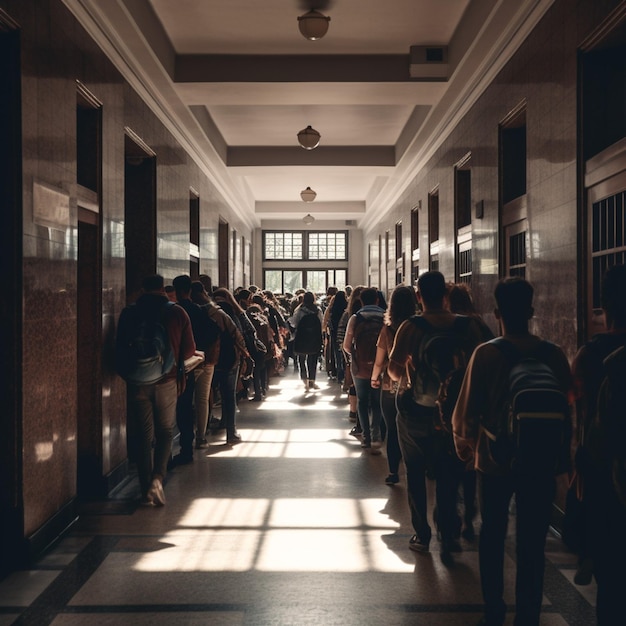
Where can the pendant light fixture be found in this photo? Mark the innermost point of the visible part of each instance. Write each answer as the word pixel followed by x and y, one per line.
pixel 313 25
pixel 308 195
pixel 309 138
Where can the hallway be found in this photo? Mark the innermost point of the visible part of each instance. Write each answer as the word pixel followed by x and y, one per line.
pixel 293 526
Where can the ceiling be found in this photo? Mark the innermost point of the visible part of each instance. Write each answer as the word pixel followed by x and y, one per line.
pixel 234 80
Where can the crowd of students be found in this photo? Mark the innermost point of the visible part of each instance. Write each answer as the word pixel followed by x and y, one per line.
pixel 378 355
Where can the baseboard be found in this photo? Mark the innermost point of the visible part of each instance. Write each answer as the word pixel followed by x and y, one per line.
pixel 51 531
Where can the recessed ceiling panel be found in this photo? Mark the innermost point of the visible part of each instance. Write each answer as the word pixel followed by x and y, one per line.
pixel 356 125
pixel 271 27
pixel 286 185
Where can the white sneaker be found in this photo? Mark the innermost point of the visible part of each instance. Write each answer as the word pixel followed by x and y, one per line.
pixel 156 493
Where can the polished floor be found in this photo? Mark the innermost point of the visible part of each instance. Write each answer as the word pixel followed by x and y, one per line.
pixel 294 526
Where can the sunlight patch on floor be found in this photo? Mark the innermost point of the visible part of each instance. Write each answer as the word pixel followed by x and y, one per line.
pixel 298 443
pixel 226 512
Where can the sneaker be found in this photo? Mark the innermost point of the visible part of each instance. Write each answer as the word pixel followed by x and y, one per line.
pixel 201 444
pixel 392 479
pixel 451 546
pixel 313 385
pixel 233 439
pixel 306 385
pixel 468 533
pixel 216 424
pixel 417 545
pixel 179 459
pixel 146 501
pixel 584 572
pixel 356 432
pixel 156 493
pixel 375 451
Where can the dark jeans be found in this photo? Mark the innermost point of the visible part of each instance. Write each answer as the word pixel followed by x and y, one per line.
pixel 368 408
pixel 260 377
pixel 608 545
pixel 151 415
pixel 185 417
pixel 432 454
pixel 340 362
pixel 533 498
pixel 226 381
pixel 308 366
pixel 388 408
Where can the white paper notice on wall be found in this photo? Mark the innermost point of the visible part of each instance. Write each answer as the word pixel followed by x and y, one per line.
pixel 51 206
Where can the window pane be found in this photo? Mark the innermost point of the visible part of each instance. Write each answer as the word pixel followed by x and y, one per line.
pixel 327 246
pixel 273 280
pixel 316 281
pixel 287 245
pixel 292 279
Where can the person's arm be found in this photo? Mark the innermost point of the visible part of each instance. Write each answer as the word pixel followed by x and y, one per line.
pixel 187 343
pixel 400 355
pixel 381 357
pixel 347 340
pixel 469 408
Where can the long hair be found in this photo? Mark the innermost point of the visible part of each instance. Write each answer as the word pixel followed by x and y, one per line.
pixel 223 294
pixel 402 305
pixel 354 304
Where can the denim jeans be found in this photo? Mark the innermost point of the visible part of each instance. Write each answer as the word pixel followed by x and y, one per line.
pixel 389 412
pixel 415 451
pixel 152 408
pixel 308 366
pixel 185 416
pixel 368 408
pixel 227 383
pixel 533 499
pixel 204 378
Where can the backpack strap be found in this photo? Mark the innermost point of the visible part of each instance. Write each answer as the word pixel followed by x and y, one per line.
pixel 513 355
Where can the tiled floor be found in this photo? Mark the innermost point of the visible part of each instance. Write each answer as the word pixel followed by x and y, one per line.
pixel 295 526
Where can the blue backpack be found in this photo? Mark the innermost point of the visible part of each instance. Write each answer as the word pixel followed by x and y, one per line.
pixel 148 355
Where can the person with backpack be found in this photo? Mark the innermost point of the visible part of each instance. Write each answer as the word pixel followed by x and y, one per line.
pixel 359 343
pixel 354 304
pixel 265 334
pixel 512 424
pixel 332 316
pixel 232 340
pixel 153 337
pixel 600 432
pixel 306 322
pixel 460 301
pixel 229 360
pixel 430 351
pixel 402 305
pixel 205 334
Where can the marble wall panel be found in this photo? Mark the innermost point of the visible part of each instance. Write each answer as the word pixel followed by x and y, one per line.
pixel 543 73
pixel 55 52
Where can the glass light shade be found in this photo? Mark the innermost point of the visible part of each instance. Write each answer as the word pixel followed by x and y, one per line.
pixel 309 138
pixel 308 219
pixel 313 24
pixel 308 195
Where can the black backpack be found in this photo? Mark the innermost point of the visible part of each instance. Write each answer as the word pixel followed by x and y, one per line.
pixel 534 436
pixel 440 363
pixel 308 339
pixel 146 356
pixel 364 339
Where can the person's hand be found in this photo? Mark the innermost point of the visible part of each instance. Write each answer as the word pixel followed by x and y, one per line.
pixel 375 383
